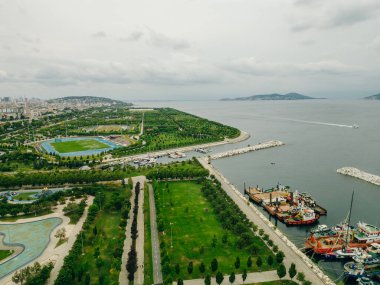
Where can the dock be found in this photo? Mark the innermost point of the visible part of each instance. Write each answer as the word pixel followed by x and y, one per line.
pixel 292 253
pixel 360 174
pixel 243 150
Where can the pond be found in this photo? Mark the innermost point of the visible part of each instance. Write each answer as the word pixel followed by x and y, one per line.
pixel 34 237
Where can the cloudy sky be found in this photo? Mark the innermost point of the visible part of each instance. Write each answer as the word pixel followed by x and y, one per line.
pixel 189 49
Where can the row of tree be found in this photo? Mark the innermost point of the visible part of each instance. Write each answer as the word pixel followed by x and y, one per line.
pixel 131 265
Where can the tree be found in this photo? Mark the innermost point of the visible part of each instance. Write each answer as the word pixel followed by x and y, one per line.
pixel 307 282
pixel 249 262
pixel 214 241
pixel 237 262
pixel 232 277
pixel 61 234
pixel 214 265
pixel 219 277
pixel 292 271
pixel 190 267
pixel 207 279
pixel 179 281
pixel 270 260
pixel 244 275
pixel 301 276
pixel 281 271
pixel 202 268
pixel 225 238
pixel 177 269
pixel 280 257
pixel 259 262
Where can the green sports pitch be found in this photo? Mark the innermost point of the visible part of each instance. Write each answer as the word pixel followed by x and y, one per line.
pixel 78 145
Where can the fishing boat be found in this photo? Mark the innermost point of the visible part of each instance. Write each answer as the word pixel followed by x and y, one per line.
pixel 365 281
pixel 374 248
pixel 302 216
pixel 359 270
pixel 366 259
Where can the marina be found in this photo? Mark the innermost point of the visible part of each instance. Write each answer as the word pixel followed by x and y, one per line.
pixel 290 207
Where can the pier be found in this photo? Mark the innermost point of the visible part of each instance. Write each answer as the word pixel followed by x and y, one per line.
pixel 357 173
pixel 292 253
pixel 243 150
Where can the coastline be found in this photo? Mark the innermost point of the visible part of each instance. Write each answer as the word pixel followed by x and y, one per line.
pixel 292 254
pixel 242 137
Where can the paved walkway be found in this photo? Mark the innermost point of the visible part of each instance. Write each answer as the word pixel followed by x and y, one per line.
pixel 303 264
pixel 255 277
pixel 157 274
pixel 139 275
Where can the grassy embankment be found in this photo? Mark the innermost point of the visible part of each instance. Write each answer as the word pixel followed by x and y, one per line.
pixel 194 224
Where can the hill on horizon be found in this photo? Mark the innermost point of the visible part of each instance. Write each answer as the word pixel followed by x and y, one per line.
pixel 88 99
pixel 373 97
pixel 274 96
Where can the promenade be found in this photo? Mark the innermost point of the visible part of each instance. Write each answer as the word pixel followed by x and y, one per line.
pixel 292 253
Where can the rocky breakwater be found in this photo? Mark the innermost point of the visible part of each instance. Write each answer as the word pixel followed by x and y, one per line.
pixel 243 150
pixel 357 173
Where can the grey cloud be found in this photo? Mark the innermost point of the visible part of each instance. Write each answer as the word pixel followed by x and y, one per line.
pixel 253 67
pixel 161 40
pixel 333 14
pixel 29 39
pixel 133 37
pixel 156 39
pixel 99 34
pixel 181 70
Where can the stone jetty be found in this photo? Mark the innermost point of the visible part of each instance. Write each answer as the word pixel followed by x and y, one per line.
pixel 243 150
pixel 357 173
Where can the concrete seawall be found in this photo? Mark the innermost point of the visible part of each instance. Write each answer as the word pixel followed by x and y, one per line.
pixel 243 150
pixel 357 173
pixel 292 253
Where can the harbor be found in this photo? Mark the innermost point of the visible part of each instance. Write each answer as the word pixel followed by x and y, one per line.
pixel 286 205
pixel 292 252
pixel 360 174
pixel 269 144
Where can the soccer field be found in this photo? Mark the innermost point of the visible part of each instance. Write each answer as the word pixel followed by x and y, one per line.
pixel 78 145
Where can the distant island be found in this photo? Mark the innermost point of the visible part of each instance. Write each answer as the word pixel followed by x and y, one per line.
pixel 88 100
pixel 373 97
pixel 275 96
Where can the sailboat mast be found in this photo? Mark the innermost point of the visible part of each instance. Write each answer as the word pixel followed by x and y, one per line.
pixel 349 216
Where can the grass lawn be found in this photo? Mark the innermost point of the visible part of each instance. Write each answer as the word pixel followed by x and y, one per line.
pixel 148 262
pixel 25 196
pixel 4 254
pixel 109 238
pixel 78 145
pixel 194 225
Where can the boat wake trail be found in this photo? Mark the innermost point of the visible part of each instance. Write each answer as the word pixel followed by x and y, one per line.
pixel 312 122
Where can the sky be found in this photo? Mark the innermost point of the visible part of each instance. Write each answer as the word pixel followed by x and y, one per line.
pixel 189 49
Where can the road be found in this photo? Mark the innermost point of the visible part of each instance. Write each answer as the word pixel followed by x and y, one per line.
pixel 303 264
pixel 157 274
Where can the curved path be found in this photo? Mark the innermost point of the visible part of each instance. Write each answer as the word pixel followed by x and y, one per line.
pixel 52 253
